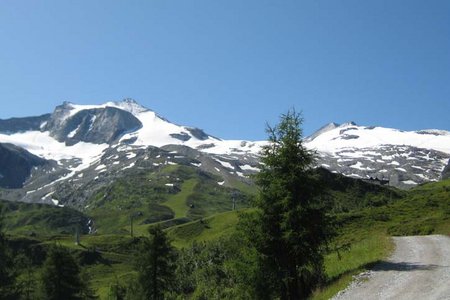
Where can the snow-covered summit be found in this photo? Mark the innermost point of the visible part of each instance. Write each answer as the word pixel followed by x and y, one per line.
pixel 350 135
pixel 404 158
pixel 69 109
pixel 83 132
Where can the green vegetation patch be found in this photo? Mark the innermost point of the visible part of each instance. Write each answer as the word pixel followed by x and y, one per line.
pixel 41 219
pixel 204 230
pixel 178 202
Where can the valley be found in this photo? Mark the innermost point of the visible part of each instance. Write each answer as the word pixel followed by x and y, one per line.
pixel 95 178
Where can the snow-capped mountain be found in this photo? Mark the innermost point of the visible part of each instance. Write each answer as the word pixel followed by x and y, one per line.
pixel 88 142
pixel 405 158
pixel 83 147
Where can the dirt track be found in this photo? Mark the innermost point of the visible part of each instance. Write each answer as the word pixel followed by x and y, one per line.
pixel 418 269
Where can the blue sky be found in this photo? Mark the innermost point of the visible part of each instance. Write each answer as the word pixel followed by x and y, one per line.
pixel 231 66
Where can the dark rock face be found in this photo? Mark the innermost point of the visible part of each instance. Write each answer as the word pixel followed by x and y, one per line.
pixel 446 171
pixel 16 165
pixel 15 125
pixel 98 126
pixel 321 130
pixel 198 133
pixel 181 136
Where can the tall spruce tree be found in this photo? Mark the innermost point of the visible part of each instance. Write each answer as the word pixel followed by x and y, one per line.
pixel 291 228
pixel 156 265
pixel 61 276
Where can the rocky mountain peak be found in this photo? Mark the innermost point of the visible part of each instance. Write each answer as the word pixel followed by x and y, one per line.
pixel 323 129
pixel 130 105
pixel 72 123
pixel 348 124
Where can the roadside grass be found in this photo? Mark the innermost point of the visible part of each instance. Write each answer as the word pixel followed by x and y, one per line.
pixel 362 255
pixel 423 210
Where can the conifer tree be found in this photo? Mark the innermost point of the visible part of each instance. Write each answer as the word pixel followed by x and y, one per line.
pixel 291 227
pixel 61 276
pixel 156 265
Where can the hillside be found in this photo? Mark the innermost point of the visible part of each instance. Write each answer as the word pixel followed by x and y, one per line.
pixel 88 147
pixel 422 210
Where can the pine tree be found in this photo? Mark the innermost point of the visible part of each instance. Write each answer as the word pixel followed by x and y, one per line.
pixel 8 287
pixel 156 265
pixel 61 276
pixel 291 227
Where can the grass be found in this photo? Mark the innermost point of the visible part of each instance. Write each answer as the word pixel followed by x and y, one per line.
pixel 40 220
pixel 204 230
pixel 362 255
pixel 177 203
pixel 173 192
pixel 423 210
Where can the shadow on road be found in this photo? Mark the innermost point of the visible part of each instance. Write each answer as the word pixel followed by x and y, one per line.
pixel 404 266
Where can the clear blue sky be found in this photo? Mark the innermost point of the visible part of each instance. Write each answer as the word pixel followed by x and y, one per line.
pixel 230 66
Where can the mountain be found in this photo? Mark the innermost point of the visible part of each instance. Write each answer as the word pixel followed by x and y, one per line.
pixel 88 148
pixel 92 146
pixel 405 158
pixel 71 124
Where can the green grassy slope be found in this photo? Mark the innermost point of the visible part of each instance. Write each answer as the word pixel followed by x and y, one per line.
pixel 422 210
pixel 174 192
pixel 206 229
pixel 41 220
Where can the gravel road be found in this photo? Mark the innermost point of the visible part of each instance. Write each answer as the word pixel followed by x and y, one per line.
pixel 418 269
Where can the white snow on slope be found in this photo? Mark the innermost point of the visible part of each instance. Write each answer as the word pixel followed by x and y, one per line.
pixel 224 163
pixel 348 139
pixel 235 146
pixel 250 168
pixel 156 131
pixel 73 132
pixel 334 140
pixel 43 145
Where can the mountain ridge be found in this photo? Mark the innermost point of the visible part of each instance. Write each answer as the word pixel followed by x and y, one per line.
pixel 85 142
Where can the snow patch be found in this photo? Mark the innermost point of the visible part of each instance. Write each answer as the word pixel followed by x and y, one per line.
pixel 129 166
pixel 100 167
pixel 131 155
pixel 249 168
pixel 410 182
pixel 224 163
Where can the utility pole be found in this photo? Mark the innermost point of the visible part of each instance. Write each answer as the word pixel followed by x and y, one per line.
pixel 132 216
pixel 77 235
pixel 131 225
pixel 233 198
pixel 76 222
